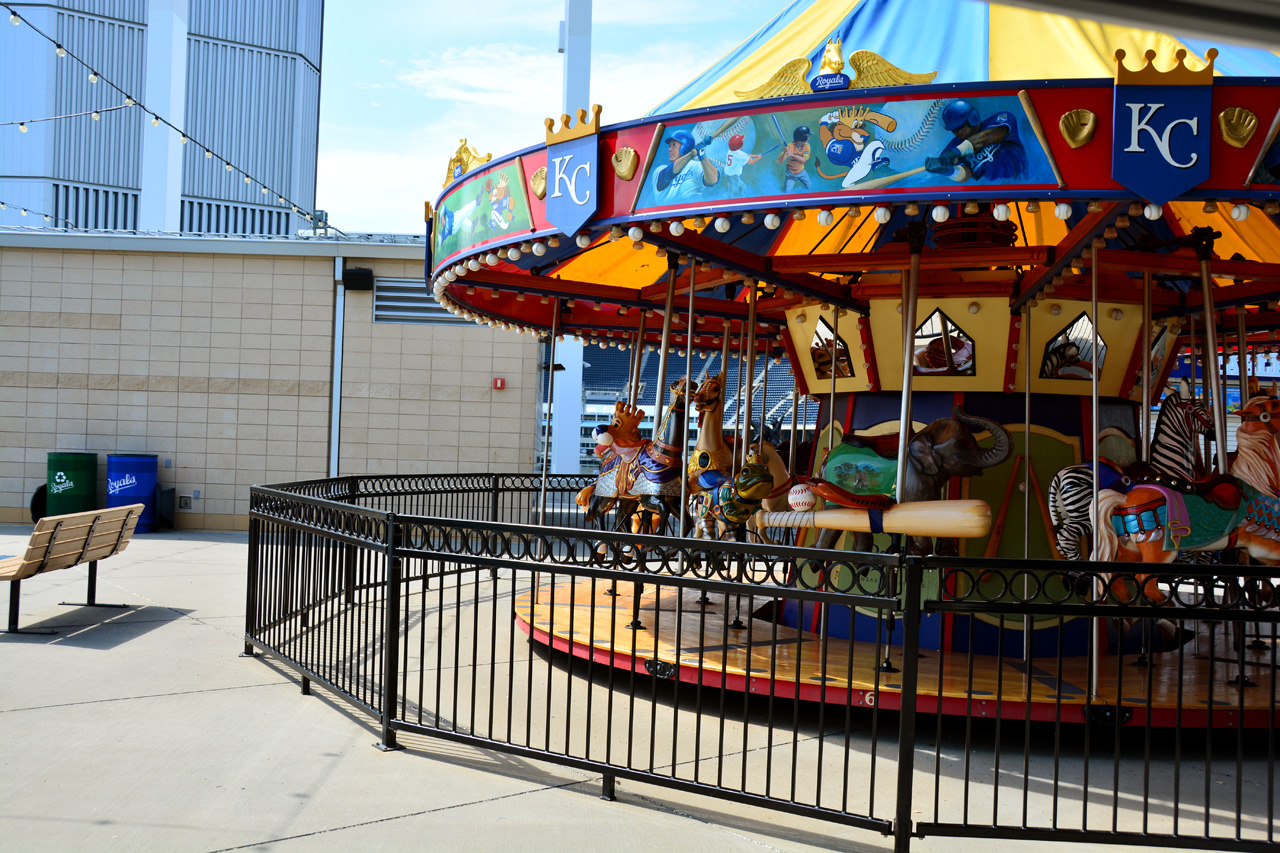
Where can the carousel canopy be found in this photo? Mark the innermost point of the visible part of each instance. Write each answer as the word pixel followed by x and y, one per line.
pixel 1016 144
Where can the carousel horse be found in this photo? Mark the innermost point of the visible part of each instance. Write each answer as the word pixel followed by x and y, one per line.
pixel 1174 453
pixel 1160 516
pixel 776 500
pixel 635 473
pixel 710 453
pixel 726 505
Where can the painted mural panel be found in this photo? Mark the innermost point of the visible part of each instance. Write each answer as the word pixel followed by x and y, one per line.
pixel 490 206
pixel 937 144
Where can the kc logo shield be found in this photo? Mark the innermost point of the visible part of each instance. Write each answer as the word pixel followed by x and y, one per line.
pixel 572 183
pixel 1160 146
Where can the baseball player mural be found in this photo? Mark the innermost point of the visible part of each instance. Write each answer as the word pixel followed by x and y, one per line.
pixel 857 147
pixel 687 172
pixel 980 148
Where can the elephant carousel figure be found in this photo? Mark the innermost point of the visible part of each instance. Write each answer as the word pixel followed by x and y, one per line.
pixel 944 449
pixel 638 474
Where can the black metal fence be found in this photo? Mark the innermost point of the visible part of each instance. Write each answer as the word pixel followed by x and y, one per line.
pixel 819 683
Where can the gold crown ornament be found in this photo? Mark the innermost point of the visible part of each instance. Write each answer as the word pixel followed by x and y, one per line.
pixel 579 130
pixel 1179 75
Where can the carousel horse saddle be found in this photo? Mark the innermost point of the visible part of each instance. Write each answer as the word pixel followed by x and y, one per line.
pixel 884 446
pixel 712 479
pixel 658 468
pixel 1221 490
pixel 829 491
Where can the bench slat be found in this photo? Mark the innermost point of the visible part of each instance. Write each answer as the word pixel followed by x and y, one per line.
pixel 74 545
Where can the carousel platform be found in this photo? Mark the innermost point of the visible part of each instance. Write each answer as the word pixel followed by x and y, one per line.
pixel 723 644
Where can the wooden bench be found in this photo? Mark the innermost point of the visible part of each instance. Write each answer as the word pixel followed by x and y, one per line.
pixel 64 541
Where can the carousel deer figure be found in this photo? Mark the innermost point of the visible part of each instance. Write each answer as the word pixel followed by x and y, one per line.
pixel 639 474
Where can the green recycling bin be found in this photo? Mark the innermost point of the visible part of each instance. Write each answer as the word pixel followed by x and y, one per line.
pixel 72 484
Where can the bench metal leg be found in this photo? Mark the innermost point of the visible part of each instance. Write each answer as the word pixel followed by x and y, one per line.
pixel 92 594
pixel 15 589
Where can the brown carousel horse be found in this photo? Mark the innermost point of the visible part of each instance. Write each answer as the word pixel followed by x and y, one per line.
pixel 635 473
pixel 710 453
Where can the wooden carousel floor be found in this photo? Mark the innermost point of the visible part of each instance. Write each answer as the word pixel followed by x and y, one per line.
pixel 698 644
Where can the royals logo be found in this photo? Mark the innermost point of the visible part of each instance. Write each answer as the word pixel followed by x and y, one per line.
pixel 572 171
pixel 1160 144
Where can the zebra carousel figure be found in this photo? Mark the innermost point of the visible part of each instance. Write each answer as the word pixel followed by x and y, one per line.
pixel 1174 456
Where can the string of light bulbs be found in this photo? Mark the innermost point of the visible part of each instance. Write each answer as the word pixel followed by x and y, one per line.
pixel 48 217
pixel 97 114
pixel 156 118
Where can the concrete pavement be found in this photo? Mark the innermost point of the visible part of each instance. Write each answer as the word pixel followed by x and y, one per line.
pixel 142 729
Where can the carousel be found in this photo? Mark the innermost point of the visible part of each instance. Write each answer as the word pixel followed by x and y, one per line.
pixel 1026 312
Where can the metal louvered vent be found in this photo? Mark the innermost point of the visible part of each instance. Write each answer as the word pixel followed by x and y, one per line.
pixel 407 300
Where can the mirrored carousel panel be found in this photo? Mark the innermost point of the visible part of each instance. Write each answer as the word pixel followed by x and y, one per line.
pixel 820 349
pixel 941 348
pixel 1070 354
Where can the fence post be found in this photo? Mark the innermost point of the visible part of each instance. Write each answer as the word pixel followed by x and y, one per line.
pixel 251 595
pixel 912 592
pixel 391 636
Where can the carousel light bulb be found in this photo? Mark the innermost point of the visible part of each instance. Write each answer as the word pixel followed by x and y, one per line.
pixel 1055 309
pixel 655 227
pixel 539 249
pixel 183 140
pixel 799 215
pixel 1095 206
pixel 60 50
pixel 941 213
pixel 513 254
pixel 825 218
pixel 1062 210
pixel 676 228
pixel 748 218
pixel 971 208
pixel 1057 281
pixel 1110 232
pixel 1153 211
pixel 1033 206
pixel 155 121
pixel 14 19
pixel 473 264
pixel 1240 212
pixel 638 244
pixel 772 221
pixel 491 259
pixel 974 307
pixel 93 76
pixel 1271 208
pixel 1122 221
pixel 699 222
pixel 1135 208
pixel 266 191
pixel 1210 206
pixel 615 233
pixel 722 224
pixel 855 210
pixel 636 233
pixel 22 127
pixel 912 209
pixel 583 240
pixel 24 211
pixel 208 155
pixel 1099 242
pixel 128 101
pixel 450 275
pixel 1117 314
pixel 280 199
pixel 95 115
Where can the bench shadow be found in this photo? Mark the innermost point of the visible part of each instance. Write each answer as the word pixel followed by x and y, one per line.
pixel 102 628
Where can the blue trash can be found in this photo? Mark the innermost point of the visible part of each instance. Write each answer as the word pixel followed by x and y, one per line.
pixel 131 479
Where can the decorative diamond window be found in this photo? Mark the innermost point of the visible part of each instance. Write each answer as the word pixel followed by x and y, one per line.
pixel 1070 355
pixel 820 349
pixel 941 348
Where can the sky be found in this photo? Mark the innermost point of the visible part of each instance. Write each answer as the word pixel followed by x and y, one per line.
pixel 403 80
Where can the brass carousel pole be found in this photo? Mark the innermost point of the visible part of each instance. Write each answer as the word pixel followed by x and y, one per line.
pixel 910 290
pixel 1203 241
pixel 684 439
pixel 637 358
pixel 1028 621
pixel 1095 658
pixel 1242 344
pixel 546 424
pixel 835 365
pixel 737 412
pixel 750 367
pixel 1145 406
pixel 673 261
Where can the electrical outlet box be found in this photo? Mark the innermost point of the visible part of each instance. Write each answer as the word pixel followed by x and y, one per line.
pixel 184 501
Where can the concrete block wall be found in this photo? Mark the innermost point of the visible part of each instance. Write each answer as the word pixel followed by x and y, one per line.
pixel 222 365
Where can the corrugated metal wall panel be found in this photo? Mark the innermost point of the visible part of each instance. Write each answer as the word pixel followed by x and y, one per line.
pixel 134 11
pixel 257 108
pixel 109 151
pixel 286 26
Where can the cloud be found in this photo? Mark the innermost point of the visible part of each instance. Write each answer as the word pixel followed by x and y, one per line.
pixel 495 96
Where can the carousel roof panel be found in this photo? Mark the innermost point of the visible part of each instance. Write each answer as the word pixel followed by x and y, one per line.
pixel 962 40
pixel 1253 238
